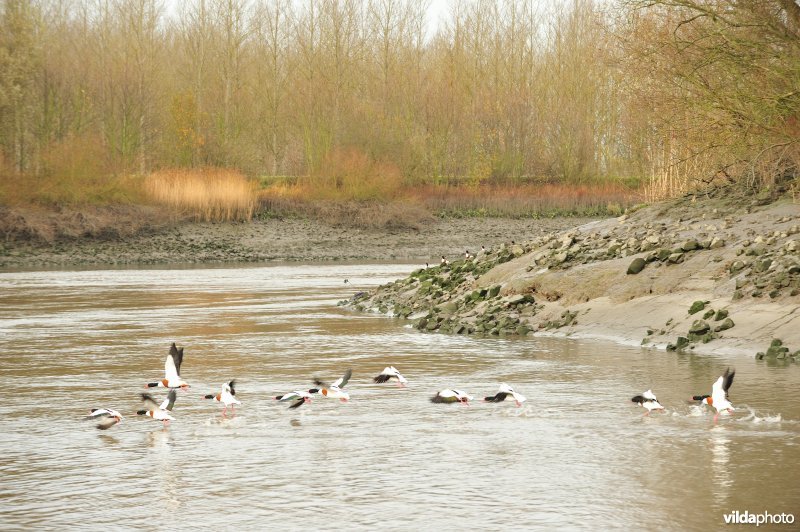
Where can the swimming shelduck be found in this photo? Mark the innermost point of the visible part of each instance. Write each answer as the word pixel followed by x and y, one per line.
pixel 648 401
pixel 156 411
pixel 390 373
pixel 299 398
pixel 505 391
pixel 334 391
pixel 107 418
pixel 451 396
pixel 172 371
pixel 226 397
pixel 719 393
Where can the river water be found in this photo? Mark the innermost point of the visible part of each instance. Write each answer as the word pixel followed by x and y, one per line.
pixel 578 454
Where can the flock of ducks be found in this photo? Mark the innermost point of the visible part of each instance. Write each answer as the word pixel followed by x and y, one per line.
pixel 718 398
pixel 107 418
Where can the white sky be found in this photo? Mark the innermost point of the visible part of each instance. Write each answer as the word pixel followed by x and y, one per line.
pixel 437 10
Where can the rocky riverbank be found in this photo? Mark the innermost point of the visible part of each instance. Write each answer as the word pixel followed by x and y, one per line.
pixel 702 274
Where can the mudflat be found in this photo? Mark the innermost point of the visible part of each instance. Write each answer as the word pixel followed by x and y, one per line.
pixel 301 240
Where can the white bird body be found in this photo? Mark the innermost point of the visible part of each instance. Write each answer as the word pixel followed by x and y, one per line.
pixel 161 415
pixel 719 396
pixel 160 412
pixel 106 417
pixel 293 395
pixel 299 398
pixel 389 373
pixel 172 369
pixel 334 391
pixel 648 401
pixel 103 412
pixel 505 391
pixel 227 396
pixel 451 395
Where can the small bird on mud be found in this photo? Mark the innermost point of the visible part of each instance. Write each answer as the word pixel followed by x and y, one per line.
pixel 648 401
pixel 505 391
pixel 467 255
pixel 156 411
pixel 107 418
pixel 389 373
pixel 451 396
pixel 334 391
pixel 227 397
pixel 719 394
pixel 172 371
pixel 445 262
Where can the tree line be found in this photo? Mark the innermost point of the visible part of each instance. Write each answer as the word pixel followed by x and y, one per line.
pixel 670 92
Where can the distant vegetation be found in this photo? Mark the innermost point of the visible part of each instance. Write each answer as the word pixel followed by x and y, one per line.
pixel 510 107
pixel 205 195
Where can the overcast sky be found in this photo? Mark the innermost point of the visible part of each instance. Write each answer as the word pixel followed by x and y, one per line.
pixel 436 11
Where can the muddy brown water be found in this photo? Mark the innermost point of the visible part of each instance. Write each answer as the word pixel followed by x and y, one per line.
pixel 578 453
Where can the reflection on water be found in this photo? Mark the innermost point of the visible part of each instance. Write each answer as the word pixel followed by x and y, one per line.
pixel 578 453
pixel 720 462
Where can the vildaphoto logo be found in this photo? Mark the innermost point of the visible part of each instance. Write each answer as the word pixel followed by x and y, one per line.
pixel 764 518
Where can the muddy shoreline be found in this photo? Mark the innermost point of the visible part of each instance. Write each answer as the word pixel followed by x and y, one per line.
pixel 290 240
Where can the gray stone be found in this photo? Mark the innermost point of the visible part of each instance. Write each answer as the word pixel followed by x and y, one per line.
pixel 725 325
pixel 697 306
pixel 636 266
pixel 676 258
pixel 450 307
pixel 716 242
pixel 690 245
pixel 736 266
pixel 699 327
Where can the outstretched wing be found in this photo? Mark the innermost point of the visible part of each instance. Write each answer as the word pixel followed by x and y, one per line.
pixel 498 398
pixel 727 380
pixel 298 403
pixel 173 363
pixel 342 382
pixel 231 386
pixel 169 402
pixel 717 393
pixel 149 402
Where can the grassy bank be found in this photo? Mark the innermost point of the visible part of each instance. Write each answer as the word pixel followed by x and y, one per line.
pixel 82 200
pixel 408 205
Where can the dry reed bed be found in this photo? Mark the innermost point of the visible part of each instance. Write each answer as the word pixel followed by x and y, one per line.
pixel 210 194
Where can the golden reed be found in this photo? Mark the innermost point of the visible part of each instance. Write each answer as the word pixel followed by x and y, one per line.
pixel 208 194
